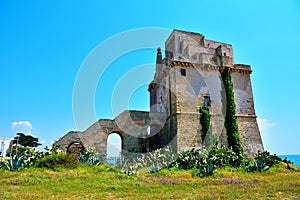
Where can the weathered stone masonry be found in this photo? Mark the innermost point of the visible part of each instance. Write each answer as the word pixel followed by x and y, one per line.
pixel 184 80
pixel 130 125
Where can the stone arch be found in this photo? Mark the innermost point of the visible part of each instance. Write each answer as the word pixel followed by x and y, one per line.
pixel 120 134
pixel 75 148
pixel 111 150
pixel 129 125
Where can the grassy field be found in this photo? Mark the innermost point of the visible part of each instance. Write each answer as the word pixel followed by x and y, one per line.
pixel 104 182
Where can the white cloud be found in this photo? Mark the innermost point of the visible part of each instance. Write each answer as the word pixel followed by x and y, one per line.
pixel 264 124
pixel 113 148
pixel 22 127
pixel 42 141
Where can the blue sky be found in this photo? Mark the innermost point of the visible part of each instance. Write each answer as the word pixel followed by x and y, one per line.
pixel 44 43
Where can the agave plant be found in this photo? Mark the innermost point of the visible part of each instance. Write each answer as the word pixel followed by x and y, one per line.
pixel 15 163
pixel 131 163
pixel 91 157
pixel 261 161
pixel 207 169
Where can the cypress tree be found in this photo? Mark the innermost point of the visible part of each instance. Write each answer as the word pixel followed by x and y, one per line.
pixel 231 126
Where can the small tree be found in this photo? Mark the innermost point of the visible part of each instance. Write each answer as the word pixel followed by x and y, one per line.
pixel 230 123
pixel 26 140
pixel 205 121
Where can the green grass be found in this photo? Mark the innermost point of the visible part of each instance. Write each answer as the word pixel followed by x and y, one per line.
pixel 104 182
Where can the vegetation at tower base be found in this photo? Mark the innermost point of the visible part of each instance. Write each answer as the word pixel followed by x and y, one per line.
pixel 90 156
pixel 204 121
pixel 57 160
pixel 208 138
pixel 201 162
pixel 131 163
pixel 231 126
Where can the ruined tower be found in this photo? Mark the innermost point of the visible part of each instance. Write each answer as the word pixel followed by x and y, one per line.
pixel 188 77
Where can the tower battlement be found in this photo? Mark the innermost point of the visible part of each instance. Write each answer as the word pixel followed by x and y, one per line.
pixel 194 48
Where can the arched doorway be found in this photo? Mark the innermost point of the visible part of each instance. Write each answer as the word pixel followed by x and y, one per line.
pixel 75 148
pixel 114 147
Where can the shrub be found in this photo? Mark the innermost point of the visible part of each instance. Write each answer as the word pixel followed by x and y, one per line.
pixel 223 156
pixel 288 164
pixel 205 162
pixel 21 157
pixel 207 169
pixel 57 160
pixel 13 163
pixel 189 159
pixel 91 157
pixel 261 161
pixel 130 163
pixel 218 156
pixel 204 121
pixel 196 159
pixel 30 154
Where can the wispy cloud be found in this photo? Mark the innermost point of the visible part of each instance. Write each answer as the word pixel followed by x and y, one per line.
pixel 22 127
pixel 265 124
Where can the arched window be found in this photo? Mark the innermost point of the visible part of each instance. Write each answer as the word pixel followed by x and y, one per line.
pixel 75 148
pixel 114 146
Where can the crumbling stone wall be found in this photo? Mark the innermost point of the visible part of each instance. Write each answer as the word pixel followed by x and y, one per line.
pixel 130 125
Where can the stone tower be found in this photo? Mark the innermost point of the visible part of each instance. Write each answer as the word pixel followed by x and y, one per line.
pixel 188 77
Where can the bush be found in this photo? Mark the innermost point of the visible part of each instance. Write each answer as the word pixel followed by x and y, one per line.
pixel 205 162
pixel 223 156
pixel 205 121
pixel 207 169
pixel 30 154
pixel 13 163
pixel 197 159
pixel 261 161
pixel 189 159
pixel 218 157
pixel 130 163
pixel 21 157
pixel 57 160
pixel 91 157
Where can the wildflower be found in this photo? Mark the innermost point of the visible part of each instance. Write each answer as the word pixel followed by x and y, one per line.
pixel 15 182
pixel 236 180
pixel 175 181
pixel 163 180
pixel 226 180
